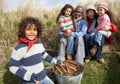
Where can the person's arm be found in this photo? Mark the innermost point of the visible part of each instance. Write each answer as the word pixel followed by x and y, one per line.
pixel 61 25
pixel 81 30
pixel 106 28
pixel 103 23
pixel 60 32
pixel 16 68
pixel 49 58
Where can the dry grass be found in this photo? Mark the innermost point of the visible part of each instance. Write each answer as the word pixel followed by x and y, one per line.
pixel 10 21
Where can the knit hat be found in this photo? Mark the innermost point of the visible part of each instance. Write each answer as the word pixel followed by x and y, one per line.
pixel 90 7
pixel 103 5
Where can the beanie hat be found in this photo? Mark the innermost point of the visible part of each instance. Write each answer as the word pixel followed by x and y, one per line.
pixel 90 7
pixel 103 5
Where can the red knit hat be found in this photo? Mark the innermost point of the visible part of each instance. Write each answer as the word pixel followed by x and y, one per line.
pixel 103 5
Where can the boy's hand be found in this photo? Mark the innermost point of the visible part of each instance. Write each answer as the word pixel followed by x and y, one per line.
pixel 37 82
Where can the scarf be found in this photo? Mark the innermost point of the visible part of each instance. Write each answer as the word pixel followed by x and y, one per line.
pixel 91 26
pixel 30 43
pixel 76 21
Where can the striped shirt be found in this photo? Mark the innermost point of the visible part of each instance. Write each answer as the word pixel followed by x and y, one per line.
pixel 28 65
pixel 66 24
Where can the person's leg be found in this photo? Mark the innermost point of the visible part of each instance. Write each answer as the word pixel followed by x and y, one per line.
pixel 98 53
pixel 70 47
pixel 99 37
pixel 46 80
pixel 87 46
pixel 99 56
pixel 93 49
pixel 92 39
pixel 103 33
pixel 62 46
pixel 80 50
pixel 95 42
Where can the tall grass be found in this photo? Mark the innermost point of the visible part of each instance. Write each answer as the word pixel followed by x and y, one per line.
pixel 11 19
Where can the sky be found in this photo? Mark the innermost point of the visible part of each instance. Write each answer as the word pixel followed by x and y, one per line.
pixel 47 4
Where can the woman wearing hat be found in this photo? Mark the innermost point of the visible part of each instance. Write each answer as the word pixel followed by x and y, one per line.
pixel 99 33
pixel 92 23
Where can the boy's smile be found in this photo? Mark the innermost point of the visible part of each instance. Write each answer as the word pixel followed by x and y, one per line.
pixel 31 32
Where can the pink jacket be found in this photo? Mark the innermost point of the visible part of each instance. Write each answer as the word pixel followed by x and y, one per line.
pixel 102 22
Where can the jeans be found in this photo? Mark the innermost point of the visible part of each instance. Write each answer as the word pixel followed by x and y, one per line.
pixel 46 80
pixel 80 50
pixel 66 46
pixel 87 46
pixel 99 50
pixel 70 45
pixel 96 39
pixel 103 33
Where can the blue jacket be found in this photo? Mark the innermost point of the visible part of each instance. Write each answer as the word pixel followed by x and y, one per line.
pixel 81 28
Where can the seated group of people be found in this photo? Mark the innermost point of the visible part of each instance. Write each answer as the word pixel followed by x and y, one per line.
pixel 83 38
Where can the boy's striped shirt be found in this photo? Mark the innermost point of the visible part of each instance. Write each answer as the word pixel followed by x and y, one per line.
pixel 25 64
